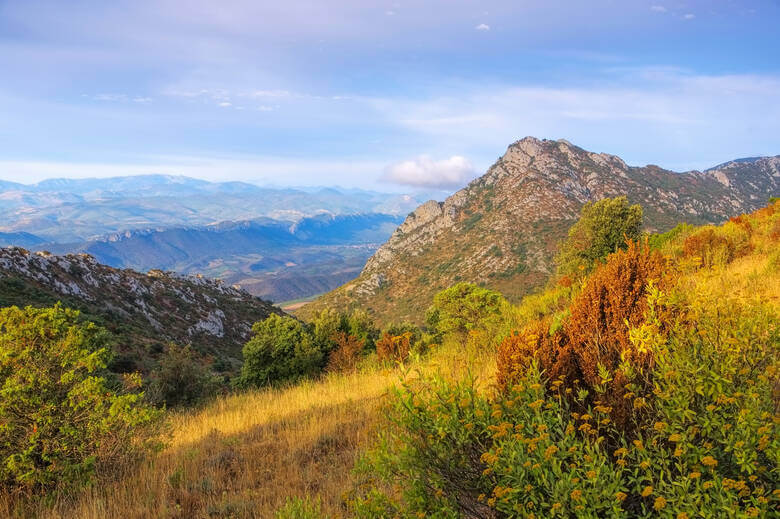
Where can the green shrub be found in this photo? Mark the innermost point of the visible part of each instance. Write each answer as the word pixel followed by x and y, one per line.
pixel 281 350
pixel 604 227
pixel 709 445
pixel 181 378
pixel 465 308
pixel 61 422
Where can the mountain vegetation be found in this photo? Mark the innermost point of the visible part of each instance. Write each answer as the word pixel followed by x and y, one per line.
pixel 645 387
pixel 503 230
pixel 145 313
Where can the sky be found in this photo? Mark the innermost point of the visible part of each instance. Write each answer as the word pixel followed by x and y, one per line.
pixel 389 95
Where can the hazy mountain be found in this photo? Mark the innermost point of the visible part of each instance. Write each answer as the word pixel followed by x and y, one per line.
pixel 502 230
pixel 69 210
pixel 145 311
pixel 269 258
pixel 20 239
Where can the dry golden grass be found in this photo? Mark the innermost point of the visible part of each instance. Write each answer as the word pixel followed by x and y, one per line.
pixel 243 455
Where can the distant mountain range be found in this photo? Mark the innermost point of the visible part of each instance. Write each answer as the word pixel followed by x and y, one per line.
pixel 281 244
pixel 71 210
pixel 503 229
pixel 272 259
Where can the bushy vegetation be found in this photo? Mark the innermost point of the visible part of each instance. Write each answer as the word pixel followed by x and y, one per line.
pixel 604 227
pixel 465 308
pixel 181 378
pixel 61 420
pixel 654 394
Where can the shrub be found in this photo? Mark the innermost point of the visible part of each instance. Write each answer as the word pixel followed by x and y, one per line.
pixel 346 354
pixel 604 227
pixel 181 378
pixel 61 422
pixel 394 348
pixel 710 446
pixel 463 308
pixel 718 245
pixel 281 350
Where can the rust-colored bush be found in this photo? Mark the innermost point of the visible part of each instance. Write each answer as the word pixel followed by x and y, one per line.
pixel 346 354
pixel 394 347
pixel 716 245
pixel 612 301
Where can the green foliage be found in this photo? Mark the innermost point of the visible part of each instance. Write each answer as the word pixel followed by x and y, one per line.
pixel 464 308
pixel 661 241
pixel 603 228
pixel 329 322
pixel 707 445
pixel 282 349
pixel 181 378
pixel 60 420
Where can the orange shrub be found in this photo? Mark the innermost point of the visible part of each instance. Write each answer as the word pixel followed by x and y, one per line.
pixel 612 301
pixel 718 245
pixel 394 347
pixel 346 354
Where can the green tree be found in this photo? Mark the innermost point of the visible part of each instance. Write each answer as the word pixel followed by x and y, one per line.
pixel 60 420
pixel 281 349
pixel 464 307
pixel 603 228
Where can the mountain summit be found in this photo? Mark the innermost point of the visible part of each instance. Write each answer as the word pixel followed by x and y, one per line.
pixel 502 230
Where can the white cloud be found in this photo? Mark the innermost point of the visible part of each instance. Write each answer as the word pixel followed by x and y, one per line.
pixel 482 27
pixel 689 16
pixel 423 171
pixel 658 8
pixel 225 104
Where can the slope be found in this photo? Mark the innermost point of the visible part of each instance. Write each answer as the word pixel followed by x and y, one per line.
pixel 502 229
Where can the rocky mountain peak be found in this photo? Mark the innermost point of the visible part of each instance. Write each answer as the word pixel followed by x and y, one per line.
pixel 503 229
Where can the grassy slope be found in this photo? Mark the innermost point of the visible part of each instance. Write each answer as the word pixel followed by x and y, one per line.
pixel 243 455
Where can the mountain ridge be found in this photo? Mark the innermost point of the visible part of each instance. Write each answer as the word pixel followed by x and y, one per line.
pixel 503 228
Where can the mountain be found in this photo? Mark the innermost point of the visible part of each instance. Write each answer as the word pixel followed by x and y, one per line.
pixel 144 311
pixel 272 259
pixel 20 239
pixel 502 230
pixel 72 210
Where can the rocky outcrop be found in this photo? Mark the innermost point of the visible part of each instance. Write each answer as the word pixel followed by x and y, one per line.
pixel 502 229
pixel 145 311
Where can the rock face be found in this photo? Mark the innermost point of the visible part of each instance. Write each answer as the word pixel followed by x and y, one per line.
pixel 504 227
pixel 144 311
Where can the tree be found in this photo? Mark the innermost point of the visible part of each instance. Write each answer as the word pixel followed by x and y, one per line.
pixel 465 307
pixel 603 228
pixel 281 349
pixel 60 419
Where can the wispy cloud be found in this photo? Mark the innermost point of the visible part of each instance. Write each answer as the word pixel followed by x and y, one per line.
pixel 482 27
pixel 658 8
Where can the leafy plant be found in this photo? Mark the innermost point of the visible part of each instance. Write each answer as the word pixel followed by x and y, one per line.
pixel 61 422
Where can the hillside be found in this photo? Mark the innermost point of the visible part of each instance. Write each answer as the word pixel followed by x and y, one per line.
pixel 272 259
pixel 246 455
pixel 144 311
pixel 502 230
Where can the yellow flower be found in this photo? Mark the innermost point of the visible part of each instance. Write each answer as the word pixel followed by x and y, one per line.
pixel 682 515
pixel 660 503
pixel 620 496
pixel 576 495
pixel 644 464
pixel 707 484
pixel 711 408
pixel 621 462
pixel 647 491
pixel 552 449
pixel 659 426
pixel 591 474
pixel 675 438
pixel 694 475
pixel 709 461
pixel 638 444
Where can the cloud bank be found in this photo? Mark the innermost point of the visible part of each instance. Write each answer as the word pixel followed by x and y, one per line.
pixel 425 172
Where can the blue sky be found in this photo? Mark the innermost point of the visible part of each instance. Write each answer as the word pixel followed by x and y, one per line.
pixel 379 94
